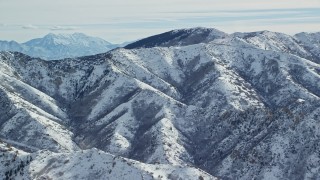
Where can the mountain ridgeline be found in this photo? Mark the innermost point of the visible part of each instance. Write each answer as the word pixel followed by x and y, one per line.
pixel 187 104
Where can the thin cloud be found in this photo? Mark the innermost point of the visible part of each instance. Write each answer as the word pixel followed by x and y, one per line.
pixel 29 26
pixel 124 20
pixel 63 28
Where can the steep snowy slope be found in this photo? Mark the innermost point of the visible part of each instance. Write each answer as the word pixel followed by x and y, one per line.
pixel 31 117
pixel 311 42
pixel 59 46
pixel 95 164
pixel 13 162
pixel 87 164
pixel 239 107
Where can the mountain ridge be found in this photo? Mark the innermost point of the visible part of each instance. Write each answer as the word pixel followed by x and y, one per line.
pixel 180 37
pixel 235 107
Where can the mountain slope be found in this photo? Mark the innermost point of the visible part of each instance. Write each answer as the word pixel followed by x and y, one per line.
pixel 87 164
pixel 311 42
pixel 238 107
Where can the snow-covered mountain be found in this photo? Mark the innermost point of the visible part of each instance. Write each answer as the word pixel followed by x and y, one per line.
pixel 237 106
pixel 60 46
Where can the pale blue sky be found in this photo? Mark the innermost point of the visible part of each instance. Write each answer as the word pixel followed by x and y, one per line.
pixel 125 20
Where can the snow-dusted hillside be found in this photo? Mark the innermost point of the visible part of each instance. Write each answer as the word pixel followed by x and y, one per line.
pixel 60 46
pixel 239 106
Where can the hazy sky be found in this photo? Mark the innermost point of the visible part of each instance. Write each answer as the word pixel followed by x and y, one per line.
pixel 125 20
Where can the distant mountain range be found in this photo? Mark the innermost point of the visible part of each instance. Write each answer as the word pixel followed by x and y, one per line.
pixel 60 46
pixel 186 104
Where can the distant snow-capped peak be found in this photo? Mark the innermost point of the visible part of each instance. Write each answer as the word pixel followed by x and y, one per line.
pixel 68 39
pixel 60 46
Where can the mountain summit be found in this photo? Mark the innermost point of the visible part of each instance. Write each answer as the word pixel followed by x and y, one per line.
pixel 179 37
